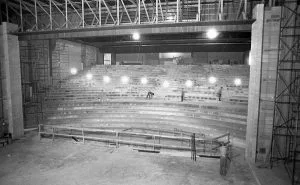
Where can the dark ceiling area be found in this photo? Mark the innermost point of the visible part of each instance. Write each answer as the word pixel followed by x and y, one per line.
pixel 179 42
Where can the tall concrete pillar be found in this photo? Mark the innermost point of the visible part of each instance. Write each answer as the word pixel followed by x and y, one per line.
pixel 263 68
pixel 113 58
pixel 11 79
pixel 100 58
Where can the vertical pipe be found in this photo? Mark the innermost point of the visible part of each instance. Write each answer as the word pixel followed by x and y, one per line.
pixel 181 138
pixel 0 13
pixel 139 11
pixel 82 12
pixel 50 9
pixel 221 9
pixel 193 147
pixel 99 12
pixel 66 7
pixel 118 12
pixel 117 140
pixel 159 137
pixel 82 135
pixel 156 11
pixel 21 15
pixel 39 131
pixel 177 11
pixel 199 10
pixel 153 142
pixel 204 145
pixel 245 9
pixel 52 134
pixel 35 13
pixel 6 6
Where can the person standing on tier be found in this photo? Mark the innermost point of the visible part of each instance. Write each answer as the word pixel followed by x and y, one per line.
pixel 182 95
pixel 219 93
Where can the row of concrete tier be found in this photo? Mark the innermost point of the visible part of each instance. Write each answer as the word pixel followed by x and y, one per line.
pixel 224 74
pixel 200 91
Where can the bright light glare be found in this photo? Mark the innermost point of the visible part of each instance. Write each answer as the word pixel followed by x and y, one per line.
pixel 124 79
pixel 136 36
pixel 73 71
pixel 188 83
pixel 166 84
pixel 89 76
pixel 238 81
pixel 144 80
pixel 106 79
pixel 212 80
pixel 170 18
pixel 212 33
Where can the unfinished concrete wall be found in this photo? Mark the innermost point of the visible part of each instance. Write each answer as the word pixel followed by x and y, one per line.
pixel 11 80
pixel 45 63
pixel 264 53
pixel 218 58
pixel 194 58
pixel 67 54
pixel 141 58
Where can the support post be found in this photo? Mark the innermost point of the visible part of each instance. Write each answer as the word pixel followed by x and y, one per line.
pixel 99 6
pixel 52 134
pixel 118 12
pixel 153 142
pixel 156 11
pixel 39 132
pixel 66 13
pixel 6 7
pixel 82 135
pixel 177 10
pixel 199 10
pixel 36 16
pixel 139 11
pixel 193 147
pixel 82 12
pixel 117 140
pixel 221 12
pixel 245 9
pixel 50 9
pixel 21 16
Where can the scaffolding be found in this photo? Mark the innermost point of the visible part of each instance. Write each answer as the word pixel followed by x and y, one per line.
pixel 41 15
pixel 286 118
pixel 35 79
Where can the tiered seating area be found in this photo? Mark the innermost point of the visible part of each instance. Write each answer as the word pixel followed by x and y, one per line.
pixel 175 75
pixel 79 102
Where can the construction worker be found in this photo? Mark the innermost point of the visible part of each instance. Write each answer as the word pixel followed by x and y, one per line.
pixel 219 93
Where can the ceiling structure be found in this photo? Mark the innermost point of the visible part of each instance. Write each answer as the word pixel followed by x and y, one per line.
pixel 168 25
pixel 177 42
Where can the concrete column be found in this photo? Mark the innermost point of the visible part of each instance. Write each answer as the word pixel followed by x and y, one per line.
pixel 264 56
pixel 254 82
pixel 11 79
pixel 113 58
pixel 100 58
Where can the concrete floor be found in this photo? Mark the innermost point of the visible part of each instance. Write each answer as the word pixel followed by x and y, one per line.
pixel 30 161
